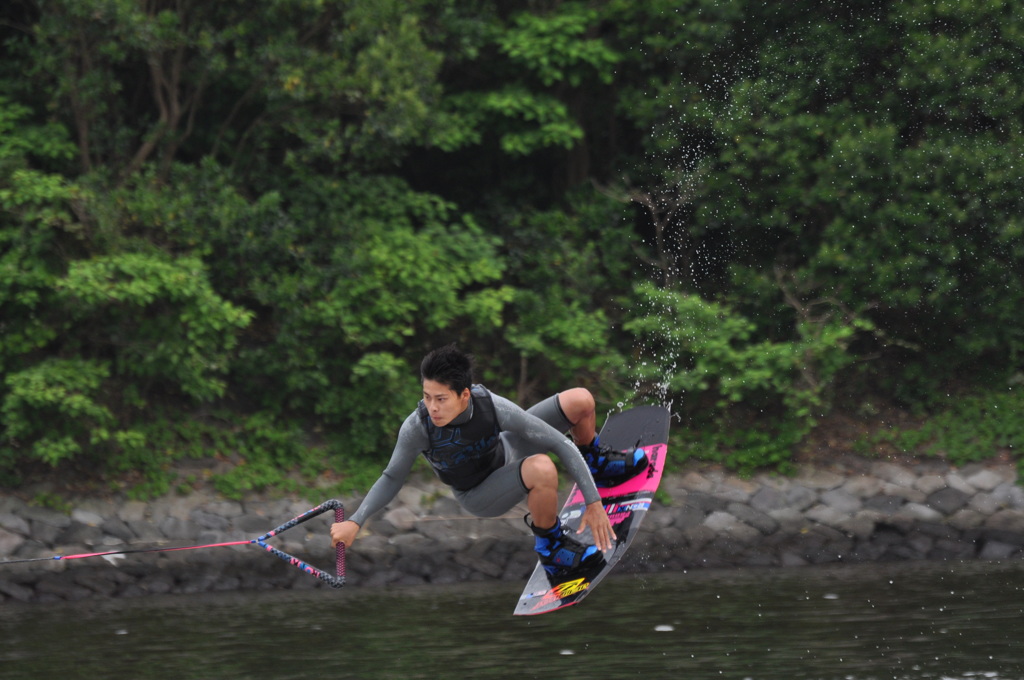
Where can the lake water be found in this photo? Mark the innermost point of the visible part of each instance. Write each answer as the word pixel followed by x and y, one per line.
pixel 859 622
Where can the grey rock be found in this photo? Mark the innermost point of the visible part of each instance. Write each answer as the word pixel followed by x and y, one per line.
pixel 687 517
pixel 984 503
pixel 116 528
pixel 80 534
pixel 907 493
pixel 986 479
pixel 44 532
pixel 38 515
pixel 693 481
pixel 921 543
pixel 86 517
pixel 9 542
pixel 727 524
pixel 14 523
pixel 382 527
pixel 995 550
pixel 132 511
pixel 929 484
pixel 659 519
pixel 792 559
pixel 937 530
pixel 402 518
pixel 894 474
pixel 827 515
pixel 483 565
pixel 61 588
pixel 12 505
pixel 256 525
pixel 917 511
pixel 736 490
pixel 176 528
pixel 413 497
pixel 791 521
pixel 768 499
pixel 145 532
pixel 862 525
pixel 409 542
pixel 158 583
pixel 705 503
pixel 104 583
pixel 966 519
pixel 445 531
pixel 842 501
pixel 863 486
pixel 885 504
pixel 209 520
pixel 699 536
pixel 226 509
pixel 15 591
pixel 822 480
pixel 1006 520
pixel 957 481
pixel 764 523
pixel 801 497
pixel 1009 495
pixel 947 500
pixel 947 549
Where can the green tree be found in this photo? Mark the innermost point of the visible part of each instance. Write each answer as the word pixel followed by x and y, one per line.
pixel 885 179
pixel 254 218
pixel 230 156
pixel 858 160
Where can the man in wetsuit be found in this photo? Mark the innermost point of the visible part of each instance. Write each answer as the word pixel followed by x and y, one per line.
pixel 492 453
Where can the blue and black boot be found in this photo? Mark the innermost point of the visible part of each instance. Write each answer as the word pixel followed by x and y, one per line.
pixel 610 467
pixel 559 552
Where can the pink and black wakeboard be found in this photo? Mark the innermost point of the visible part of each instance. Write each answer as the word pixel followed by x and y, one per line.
pixel 643 427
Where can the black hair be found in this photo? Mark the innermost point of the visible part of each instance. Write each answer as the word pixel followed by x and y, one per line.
pixel 449 366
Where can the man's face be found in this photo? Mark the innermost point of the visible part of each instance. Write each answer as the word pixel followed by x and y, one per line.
pixel 443 403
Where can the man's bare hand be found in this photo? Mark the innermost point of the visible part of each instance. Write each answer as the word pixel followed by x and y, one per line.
pixel 600 526
pixel 344 532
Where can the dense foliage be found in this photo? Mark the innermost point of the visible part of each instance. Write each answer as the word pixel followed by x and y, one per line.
pixel 229 230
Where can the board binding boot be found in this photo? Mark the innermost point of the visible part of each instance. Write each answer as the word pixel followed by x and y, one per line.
pixel 610 467
pixel 559 552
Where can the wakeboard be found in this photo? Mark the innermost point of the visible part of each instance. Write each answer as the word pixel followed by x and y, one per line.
pixel 643 427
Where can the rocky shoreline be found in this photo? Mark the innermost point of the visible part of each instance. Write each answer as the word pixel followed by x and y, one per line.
pixel 855 511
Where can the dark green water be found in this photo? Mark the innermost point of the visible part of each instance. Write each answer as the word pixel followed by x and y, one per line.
pixel 862 622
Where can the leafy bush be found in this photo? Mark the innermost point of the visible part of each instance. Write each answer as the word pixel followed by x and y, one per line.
pixel 759 396
pixel 964 429
pixel 156 316
pixel 53 410
pixel 271 210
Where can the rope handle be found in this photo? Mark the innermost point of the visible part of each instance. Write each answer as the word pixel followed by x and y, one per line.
pixel 339 550
pixel 335 581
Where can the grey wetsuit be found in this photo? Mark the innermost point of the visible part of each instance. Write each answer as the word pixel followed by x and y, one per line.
pixel 523 433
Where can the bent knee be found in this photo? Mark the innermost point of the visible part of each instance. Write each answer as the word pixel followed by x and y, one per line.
pixel 539 469
pixel 576 403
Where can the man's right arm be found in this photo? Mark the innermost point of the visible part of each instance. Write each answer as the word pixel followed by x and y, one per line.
pixel 411 440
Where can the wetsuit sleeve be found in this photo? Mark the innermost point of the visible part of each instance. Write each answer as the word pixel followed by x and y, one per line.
pixel 512 418
pixel 412 439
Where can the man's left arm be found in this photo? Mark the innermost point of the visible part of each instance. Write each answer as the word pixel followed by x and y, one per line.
pixel 544 437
